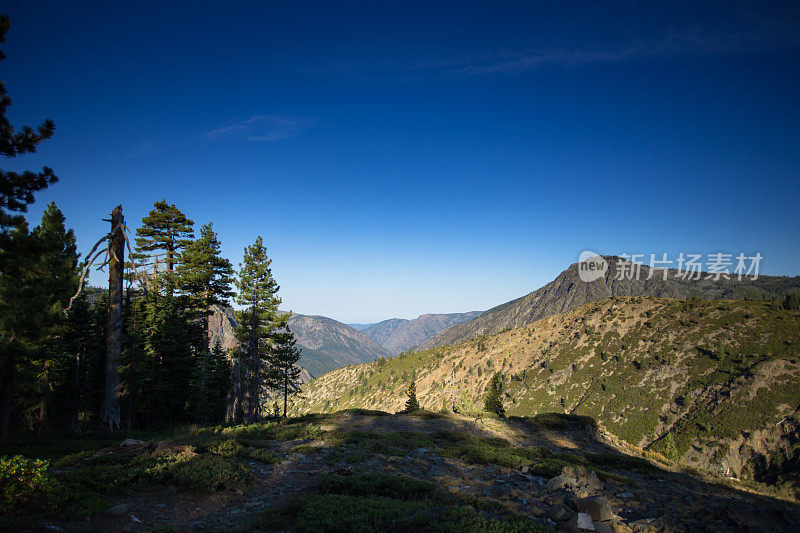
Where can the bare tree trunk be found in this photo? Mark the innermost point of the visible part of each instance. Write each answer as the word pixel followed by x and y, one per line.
pixel 44 403
pixel 74 423
pixel 285 391
pixel 110 412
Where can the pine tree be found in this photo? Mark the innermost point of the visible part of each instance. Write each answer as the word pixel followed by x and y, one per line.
pixel 411 403
pixel 204 279
pixel 257 294
pixel 17 189
pixel 58 262
pixel 165 229
pixel 283 374
pixel 168 335
pixel 218 383
pixel 492 399
pixel 19 294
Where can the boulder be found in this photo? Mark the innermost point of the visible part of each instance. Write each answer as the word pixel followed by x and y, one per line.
pixel 559 514
pixel 119 509
pixel 561 481
pixel 597 507
pixel 583 522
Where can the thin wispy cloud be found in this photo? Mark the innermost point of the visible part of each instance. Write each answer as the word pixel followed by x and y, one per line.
pixel 260 128
pixel 761 34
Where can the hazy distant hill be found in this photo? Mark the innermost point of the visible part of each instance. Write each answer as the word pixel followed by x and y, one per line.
pixel 361 327
pixel 719 378
pixel 567 291
pixel 326 344
pixel 329 344
pixel 398 334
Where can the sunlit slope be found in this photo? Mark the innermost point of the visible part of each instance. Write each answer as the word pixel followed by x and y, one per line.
pixel 721 377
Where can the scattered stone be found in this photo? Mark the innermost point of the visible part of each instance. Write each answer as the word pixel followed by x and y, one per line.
pixel 559 514
pixel 119 509
pixel 597 507
pixel 583 522
pixel 603 527
pixel 570 501
pixel 537 510
pixel 561 481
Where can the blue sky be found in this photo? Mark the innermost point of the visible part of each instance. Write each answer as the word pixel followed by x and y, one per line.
pixel 405 158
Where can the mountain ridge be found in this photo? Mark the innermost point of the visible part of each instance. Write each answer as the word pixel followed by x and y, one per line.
pixel 567 291
pixel 399 334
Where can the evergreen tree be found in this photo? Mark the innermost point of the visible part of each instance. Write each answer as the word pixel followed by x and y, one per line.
pixel 74 397
pixel 218 383
pixel 19 293
pixel 283 374
pixel 492 399
pixel 204 279
pixel 411 403
pixel 168 333
pixel 257 294
pixel 17 189
pixel 58 262
pixel 167 230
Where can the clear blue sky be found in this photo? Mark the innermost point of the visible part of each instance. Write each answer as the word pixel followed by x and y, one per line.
pixel 404 158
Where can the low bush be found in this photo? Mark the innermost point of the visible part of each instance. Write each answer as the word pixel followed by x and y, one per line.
pixel 20 480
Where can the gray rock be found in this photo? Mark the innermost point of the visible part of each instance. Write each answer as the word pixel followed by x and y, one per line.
pixel 597 507
pixel 561 481
pixel 583 522
pixel 603 527
pixel 559 514
pixel 119 509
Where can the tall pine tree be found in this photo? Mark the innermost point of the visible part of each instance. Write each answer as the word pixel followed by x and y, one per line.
pixel 167 232
pixel 58 262
pixel 17 188
pixel 257 294
pixel 204 279
pixel 19 293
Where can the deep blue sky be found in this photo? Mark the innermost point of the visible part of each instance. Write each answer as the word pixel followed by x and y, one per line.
pixel 408 158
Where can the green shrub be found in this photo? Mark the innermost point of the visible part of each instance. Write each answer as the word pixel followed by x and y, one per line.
pixel 20 480
pixel 208 474
pixel 376 502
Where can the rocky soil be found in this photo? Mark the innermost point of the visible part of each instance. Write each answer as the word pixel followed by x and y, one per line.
pixel 574 500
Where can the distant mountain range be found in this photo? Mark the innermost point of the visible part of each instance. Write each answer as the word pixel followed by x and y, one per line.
pixel 567 292
pixel 398 334
pixel 325 343
pixel 361 327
